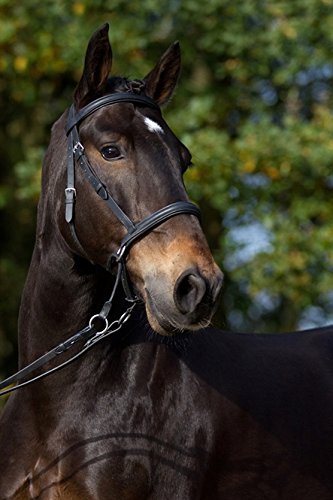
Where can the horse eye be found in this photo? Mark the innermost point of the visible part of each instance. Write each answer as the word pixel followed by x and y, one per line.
pixel 111 152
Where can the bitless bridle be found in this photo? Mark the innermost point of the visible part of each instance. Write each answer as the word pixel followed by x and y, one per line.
pixel 99 326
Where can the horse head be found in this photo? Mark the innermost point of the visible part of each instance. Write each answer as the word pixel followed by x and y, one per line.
pixel 140 161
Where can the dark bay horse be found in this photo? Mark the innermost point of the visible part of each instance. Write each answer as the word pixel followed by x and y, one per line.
pixel 166 408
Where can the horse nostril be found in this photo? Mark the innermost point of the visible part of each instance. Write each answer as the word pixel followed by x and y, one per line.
pixel 189 291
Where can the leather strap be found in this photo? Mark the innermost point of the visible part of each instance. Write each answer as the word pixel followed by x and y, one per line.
pixel 117 98
pixel 91 176
pixel 154 220
pixel 70 192
pixel 82 335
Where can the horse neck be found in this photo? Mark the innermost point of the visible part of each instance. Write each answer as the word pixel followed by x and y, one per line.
pixel 61 293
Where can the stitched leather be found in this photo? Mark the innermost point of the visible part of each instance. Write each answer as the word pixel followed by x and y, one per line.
pixel 117 98
pixel 149 223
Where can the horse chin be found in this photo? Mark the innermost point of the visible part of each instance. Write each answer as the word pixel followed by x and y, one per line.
pixel 164 329
pixel 166 326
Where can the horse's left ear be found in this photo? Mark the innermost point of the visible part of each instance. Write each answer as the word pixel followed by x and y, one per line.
pixel 97 67
pixel 162 80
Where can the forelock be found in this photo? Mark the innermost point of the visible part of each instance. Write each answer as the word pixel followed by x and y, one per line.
pixel 120 84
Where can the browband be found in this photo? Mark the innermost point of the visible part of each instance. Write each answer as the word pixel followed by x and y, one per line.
pixel 99 103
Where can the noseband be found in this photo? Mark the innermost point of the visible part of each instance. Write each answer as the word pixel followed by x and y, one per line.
pixel 76 152
pixel 94 332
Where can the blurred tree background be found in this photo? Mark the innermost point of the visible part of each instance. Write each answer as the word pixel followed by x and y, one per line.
pixel 254 105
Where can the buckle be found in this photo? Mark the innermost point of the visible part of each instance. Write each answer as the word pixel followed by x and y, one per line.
pixel 70 193
pixel 78 147
pixel 120 252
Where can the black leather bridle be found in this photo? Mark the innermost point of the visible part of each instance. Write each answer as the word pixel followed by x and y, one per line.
pixel 76 152
pixel 99 326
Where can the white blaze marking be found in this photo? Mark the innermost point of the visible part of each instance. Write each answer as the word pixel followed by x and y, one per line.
pixel 153 126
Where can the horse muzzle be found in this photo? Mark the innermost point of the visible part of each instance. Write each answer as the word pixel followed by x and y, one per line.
pixel 188 305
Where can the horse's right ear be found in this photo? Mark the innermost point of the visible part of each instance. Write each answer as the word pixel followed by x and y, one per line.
pixel 97 67
pixel 162 80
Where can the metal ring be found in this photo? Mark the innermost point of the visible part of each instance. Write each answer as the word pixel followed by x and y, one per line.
pixel 101 318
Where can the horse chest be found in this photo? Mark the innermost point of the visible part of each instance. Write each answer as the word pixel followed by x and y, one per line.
pixel 130 471
pixel 133 459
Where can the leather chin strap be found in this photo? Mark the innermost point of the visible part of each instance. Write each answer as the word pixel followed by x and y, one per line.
pixel 76 152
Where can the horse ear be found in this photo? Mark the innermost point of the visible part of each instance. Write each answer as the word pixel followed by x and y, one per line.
pixel 162 80
pixel 97 67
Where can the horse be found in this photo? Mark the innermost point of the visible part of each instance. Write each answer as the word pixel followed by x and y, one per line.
pixel 155 403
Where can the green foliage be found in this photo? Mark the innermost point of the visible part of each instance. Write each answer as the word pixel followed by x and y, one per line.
pixel 253 105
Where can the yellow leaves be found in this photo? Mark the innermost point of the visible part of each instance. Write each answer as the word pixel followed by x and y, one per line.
pixel 251 163
pixel 249 166
pixel 232 64
pixel 282 23
pixel 322 116
pixel 194 174
pixel 288 30
pixel 248 161
pixel 136 55
pixel 285 167
pixel 274 9
pixel 296 259
pixel 20 63
pixel 272 172
pixel 78 8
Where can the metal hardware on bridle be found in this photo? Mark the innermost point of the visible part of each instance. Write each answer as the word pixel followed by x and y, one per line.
pixel 91 334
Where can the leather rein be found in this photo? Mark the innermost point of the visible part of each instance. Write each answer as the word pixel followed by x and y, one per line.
pixel 98 326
